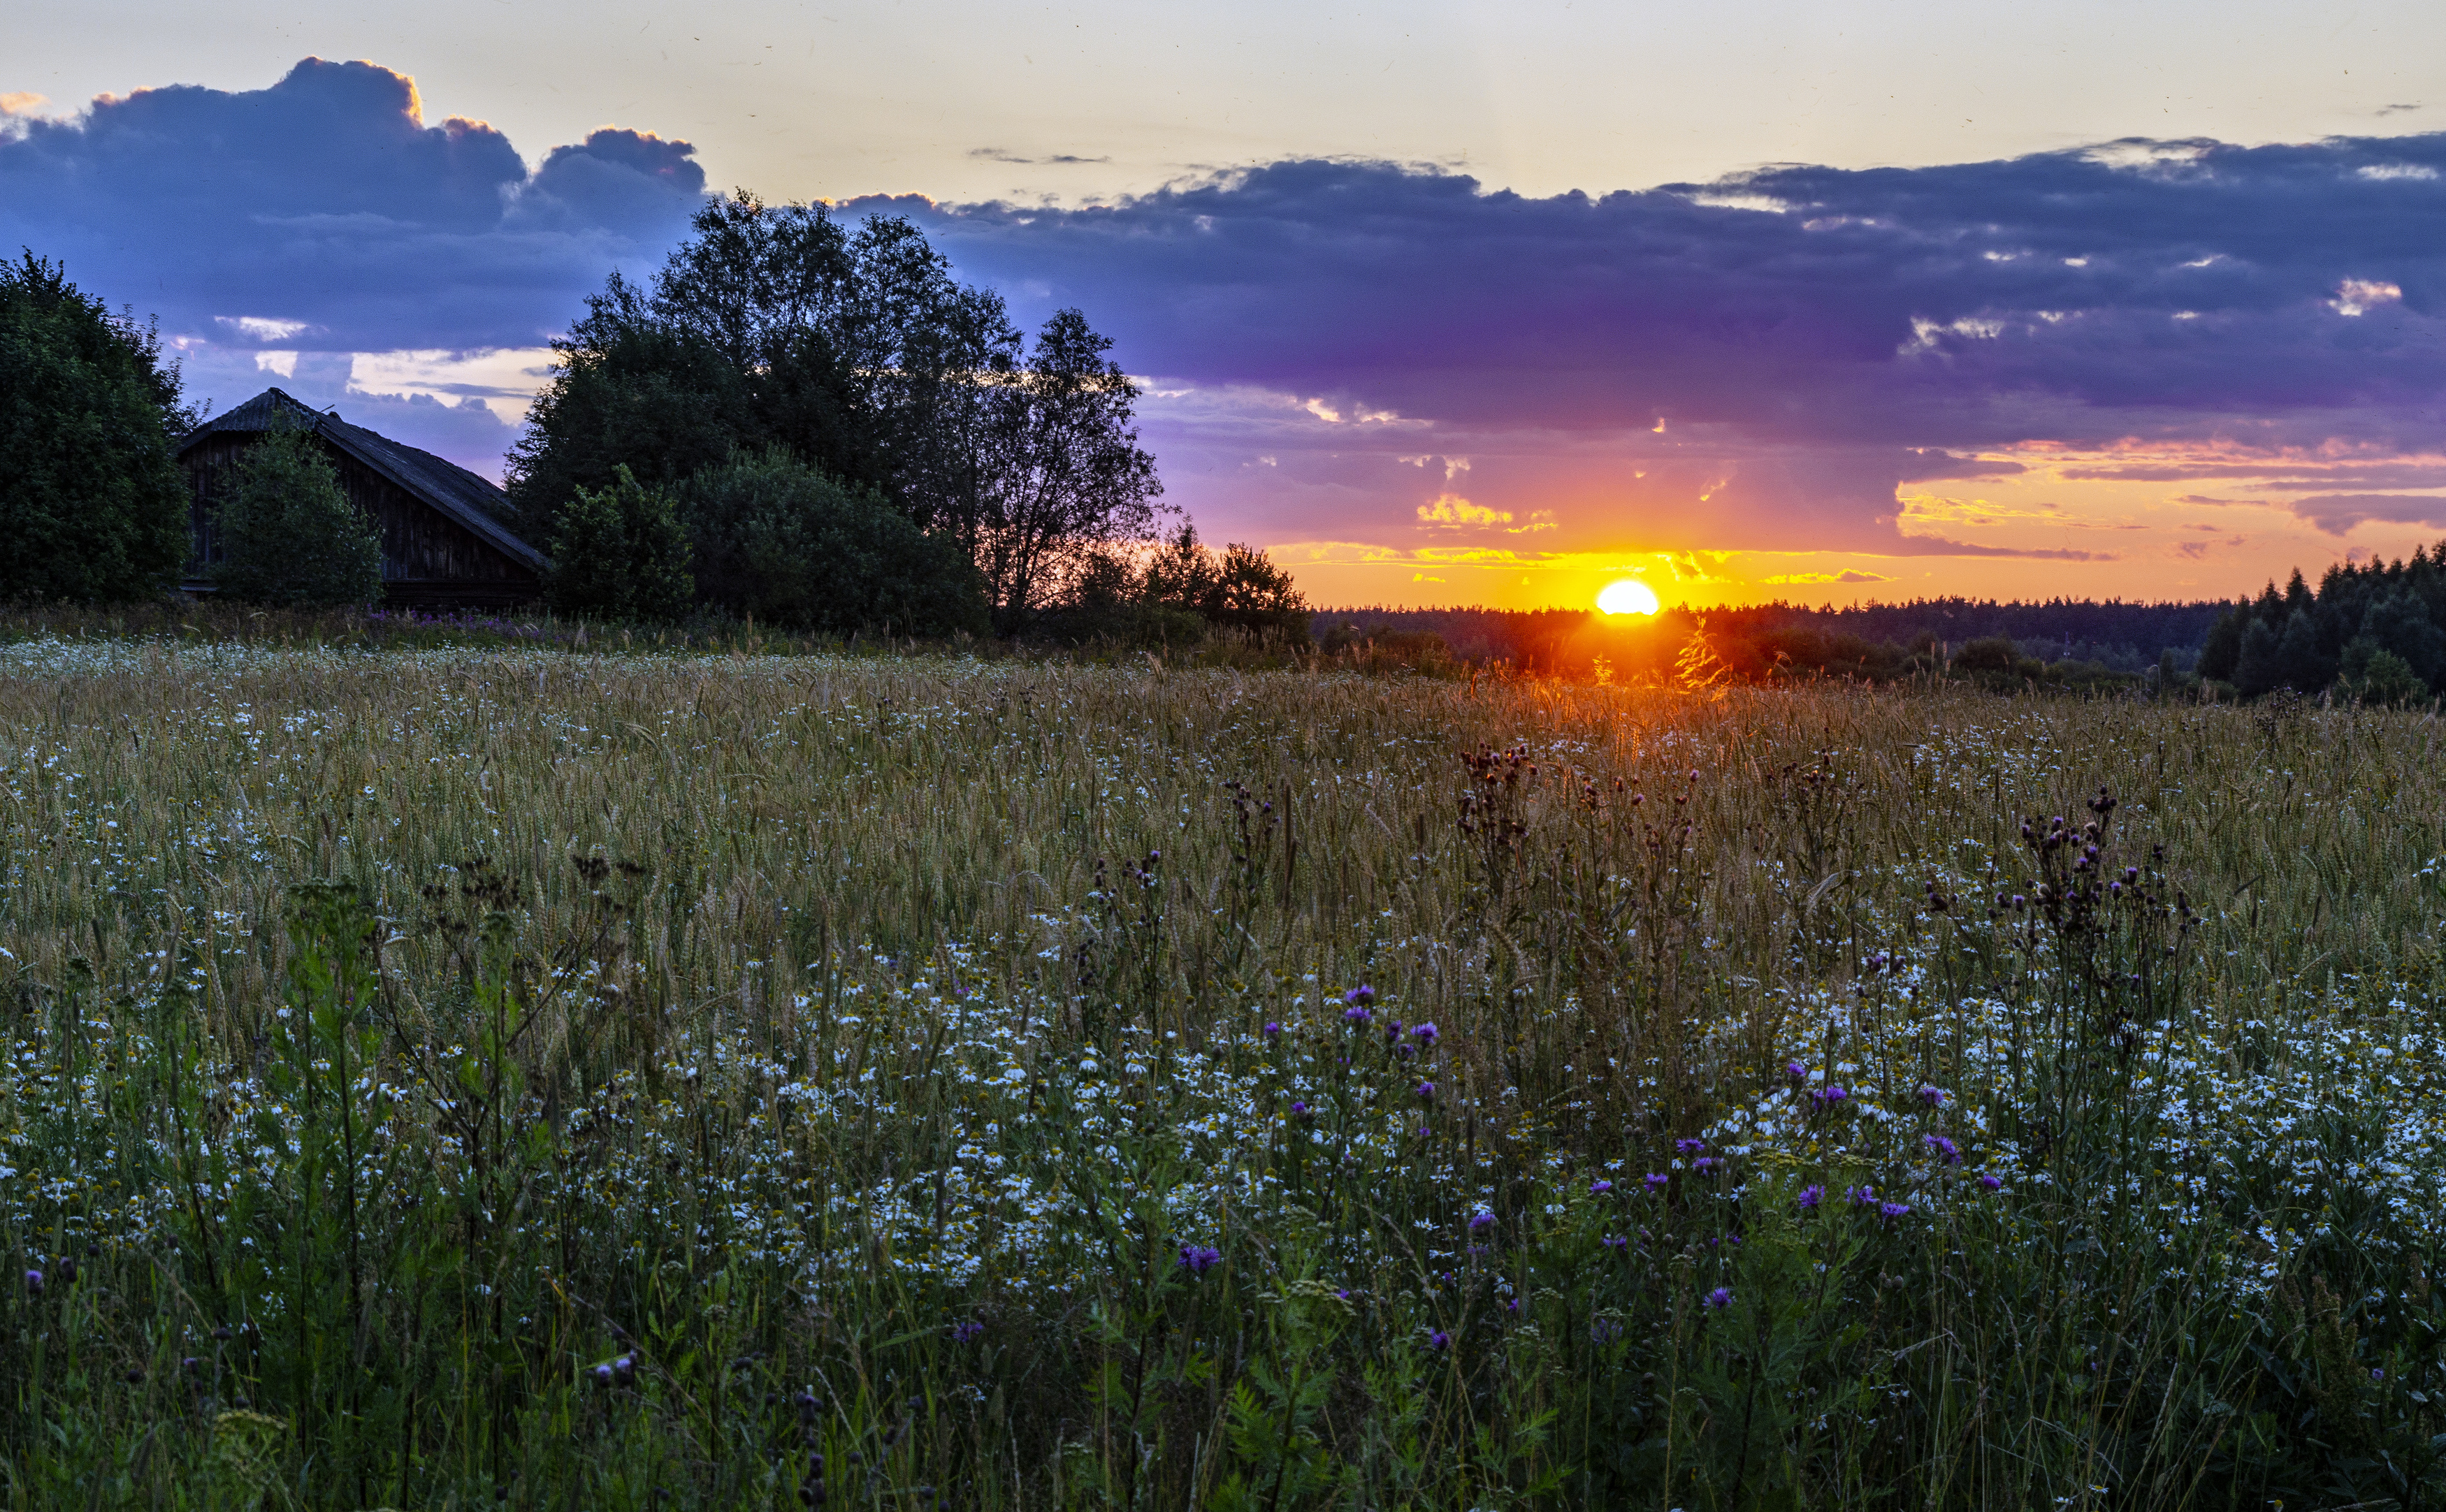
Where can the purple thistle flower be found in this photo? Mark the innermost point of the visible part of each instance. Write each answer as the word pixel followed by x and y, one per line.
pixel 1827 1097
pixel 1812 1195
pixel 1392 1029
pixel 967 1333
pixel 1993 1184
pixel 1862 1196
pixel 1598 1189
pixel 1720 1298
pixel 33 1283
pixel 1200 1257
pixel 1362 996
pixel 1299 1109
pixel 1273 1028
pixel 1933 1097
pixel 1616 1241
pixel 1480 1220
pixel 1656 1181
pixel 1796 1070
pixel 1707 1163
pixel 1689 1147
pixel 1512 1305
pixel 1439 1340
pixel 1424 1034
pixel 1427 1090
pixel 1942 1146
pixel 1894 1209
pixel 602 1375
pixel 1356 1017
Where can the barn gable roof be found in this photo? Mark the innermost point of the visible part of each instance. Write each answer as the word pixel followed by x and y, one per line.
pixel 457 493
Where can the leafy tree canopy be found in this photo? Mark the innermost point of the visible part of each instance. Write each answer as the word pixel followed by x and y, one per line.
pixel 850 350
pixel 92 503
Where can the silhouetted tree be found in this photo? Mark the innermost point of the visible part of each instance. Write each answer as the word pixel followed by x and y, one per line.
pixel 1055 468
pixel 2299 665
pixel 2222 650
pixel 852 349
pixel 2399 624
pixel 2257 669
pixel 92 503
pixel 628 392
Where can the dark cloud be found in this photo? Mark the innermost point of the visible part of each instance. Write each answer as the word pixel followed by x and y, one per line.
pixel 2336 513
pixel 2142 288
pixel 2276 298
pixel 326 207
pixel 2284 471
pixel 1753 362
pixel 1936 462
pixel 1005 154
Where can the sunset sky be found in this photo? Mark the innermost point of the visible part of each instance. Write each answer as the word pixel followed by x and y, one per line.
pixel 1443 303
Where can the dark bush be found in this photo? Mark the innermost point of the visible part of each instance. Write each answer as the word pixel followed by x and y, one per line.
pixel 290 538
pixel 619 554
pixel 776 539
pixel 1989 653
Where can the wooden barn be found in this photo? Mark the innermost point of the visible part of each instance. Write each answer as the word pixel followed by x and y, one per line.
pixel 443 545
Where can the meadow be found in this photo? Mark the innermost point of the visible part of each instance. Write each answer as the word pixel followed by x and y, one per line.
pixel 472 1076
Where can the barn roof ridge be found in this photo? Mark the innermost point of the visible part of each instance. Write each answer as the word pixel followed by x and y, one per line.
pixel 440 482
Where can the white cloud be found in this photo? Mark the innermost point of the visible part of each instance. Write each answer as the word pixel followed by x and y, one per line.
pixel 504 378
pixel 262 327
pixel 2358 296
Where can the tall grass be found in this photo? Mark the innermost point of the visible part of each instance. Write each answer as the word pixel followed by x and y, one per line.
pixel 462 1078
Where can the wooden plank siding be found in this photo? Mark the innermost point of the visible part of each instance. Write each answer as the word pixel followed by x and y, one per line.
pixel 429 559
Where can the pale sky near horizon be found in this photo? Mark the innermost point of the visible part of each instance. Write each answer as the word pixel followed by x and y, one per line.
pixel 2017 365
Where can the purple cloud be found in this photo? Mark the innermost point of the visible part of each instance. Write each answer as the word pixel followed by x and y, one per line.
pixel 2150 288
pixel 1767 362
pixel 1778 366
pixel 322 217
pixel 2336 513
pixel 326 209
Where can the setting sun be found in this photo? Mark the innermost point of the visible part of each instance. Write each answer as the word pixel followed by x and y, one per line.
pixel 1627 596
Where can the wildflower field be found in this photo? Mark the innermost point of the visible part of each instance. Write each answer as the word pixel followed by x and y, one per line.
pixel 464 1077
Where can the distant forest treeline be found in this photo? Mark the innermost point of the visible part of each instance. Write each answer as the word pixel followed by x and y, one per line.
pixel 2124 638
pixel 2374 631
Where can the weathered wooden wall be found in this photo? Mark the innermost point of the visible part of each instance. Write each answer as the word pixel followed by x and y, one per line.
pixel 428 558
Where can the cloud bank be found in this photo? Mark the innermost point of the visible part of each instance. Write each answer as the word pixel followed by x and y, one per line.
pixel 1724 364
pixel 323 217
pixel 1387 358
